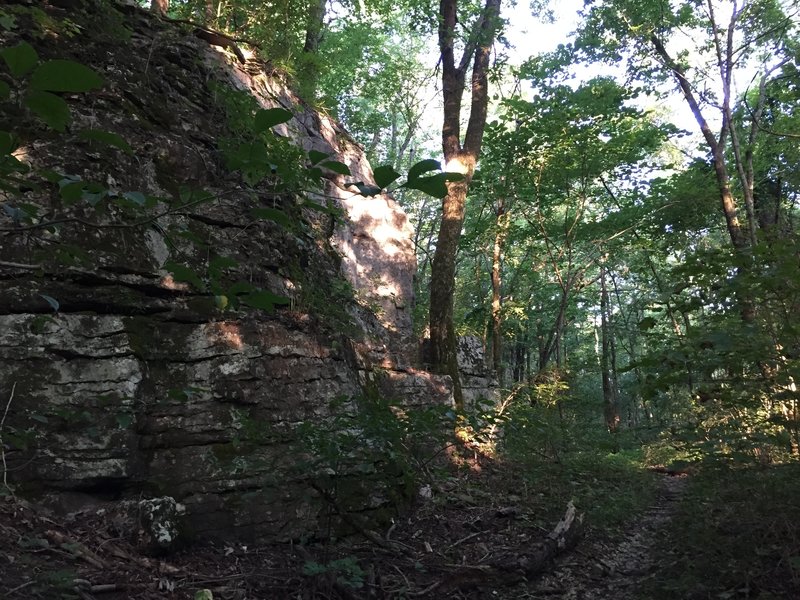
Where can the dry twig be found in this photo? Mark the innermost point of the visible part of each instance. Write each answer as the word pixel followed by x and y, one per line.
pixel 2 445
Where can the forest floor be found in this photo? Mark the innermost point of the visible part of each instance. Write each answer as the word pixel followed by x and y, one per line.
pixel 476 533
pixel 617 567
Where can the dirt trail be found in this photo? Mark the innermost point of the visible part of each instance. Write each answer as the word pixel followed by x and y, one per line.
pixel 604 570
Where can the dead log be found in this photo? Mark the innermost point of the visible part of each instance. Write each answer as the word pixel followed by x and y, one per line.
pixel 521 565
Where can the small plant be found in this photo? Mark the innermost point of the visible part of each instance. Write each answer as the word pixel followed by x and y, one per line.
pixel 346 571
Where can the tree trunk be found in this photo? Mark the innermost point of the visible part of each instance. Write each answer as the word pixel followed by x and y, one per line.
pixel 461 159
pixel 443 273
pixel 309 66
pixel 717 147
pixel 210 14
pixel 159 6
pixel 610 404
pixel 315 26
pixel 551 344
pixel 497 255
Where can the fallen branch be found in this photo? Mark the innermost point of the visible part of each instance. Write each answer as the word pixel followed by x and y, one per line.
pixel 469 537
pixel 100 588
pixel 669 471
pixel 75 548
pixel 350 520
pixel 16 265
pixel 2 445
pixel 509 569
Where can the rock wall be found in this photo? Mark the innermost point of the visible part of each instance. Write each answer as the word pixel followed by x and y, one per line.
pixel 478 381
pixel 118 379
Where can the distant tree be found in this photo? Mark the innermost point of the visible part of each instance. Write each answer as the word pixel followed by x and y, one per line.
pixel 726 39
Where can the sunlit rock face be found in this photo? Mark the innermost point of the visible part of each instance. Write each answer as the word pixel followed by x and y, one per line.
pixel 122 381
pixel 375 242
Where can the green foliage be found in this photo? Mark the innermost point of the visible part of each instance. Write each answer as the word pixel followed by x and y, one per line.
pixel 346 571
pixel 253 149
pixel 565 451
pixel 735 535
pixel 64 76
pixel 373 80
pixel 370 439
pixel 46 77
pixel 107 138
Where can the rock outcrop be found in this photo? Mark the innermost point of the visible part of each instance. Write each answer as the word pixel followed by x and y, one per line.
pixel 478 381
pixel 120 373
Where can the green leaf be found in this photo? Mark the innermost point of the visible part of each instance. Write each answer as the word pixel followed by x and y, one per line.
pixel 185 393
pixel 423 166
pixel 366 189
pixel 5 90
pixel 7 21
pixel 65 76
pixel 71 192
pixel 647 323
pixel 219 263
pixel 137 198
pixel 106 137
pixel 331 210
pixel 264 300
pixel 434 185
pixel 94 192
pixel 192 237
pixel 240 287
pixel 272 214
pixel 269 117
pixel 221 301
pixel 54 304
pixel 20 58
pixel 315 156
pixel 336 167
pixel 30 210
pixel 7 142
pixel 49 108
pixel 385 175
pixel 184 274
pixel 124 420
pixel 51 176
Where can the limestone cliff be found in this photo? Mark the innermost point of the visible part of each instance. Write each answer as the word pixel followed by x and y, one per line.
pixel 123 376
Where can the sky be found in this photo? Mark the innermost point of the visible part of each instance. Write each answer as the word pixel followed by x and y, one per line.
pixel 530 35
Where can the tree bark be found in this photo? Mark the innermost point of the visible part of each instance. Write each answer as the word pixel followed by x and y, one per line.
pixel 309 67
pixel 497 255
pixel 159 6
pixel 610 404
pixel 315 26
pixel 210 14
pixel 461 159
